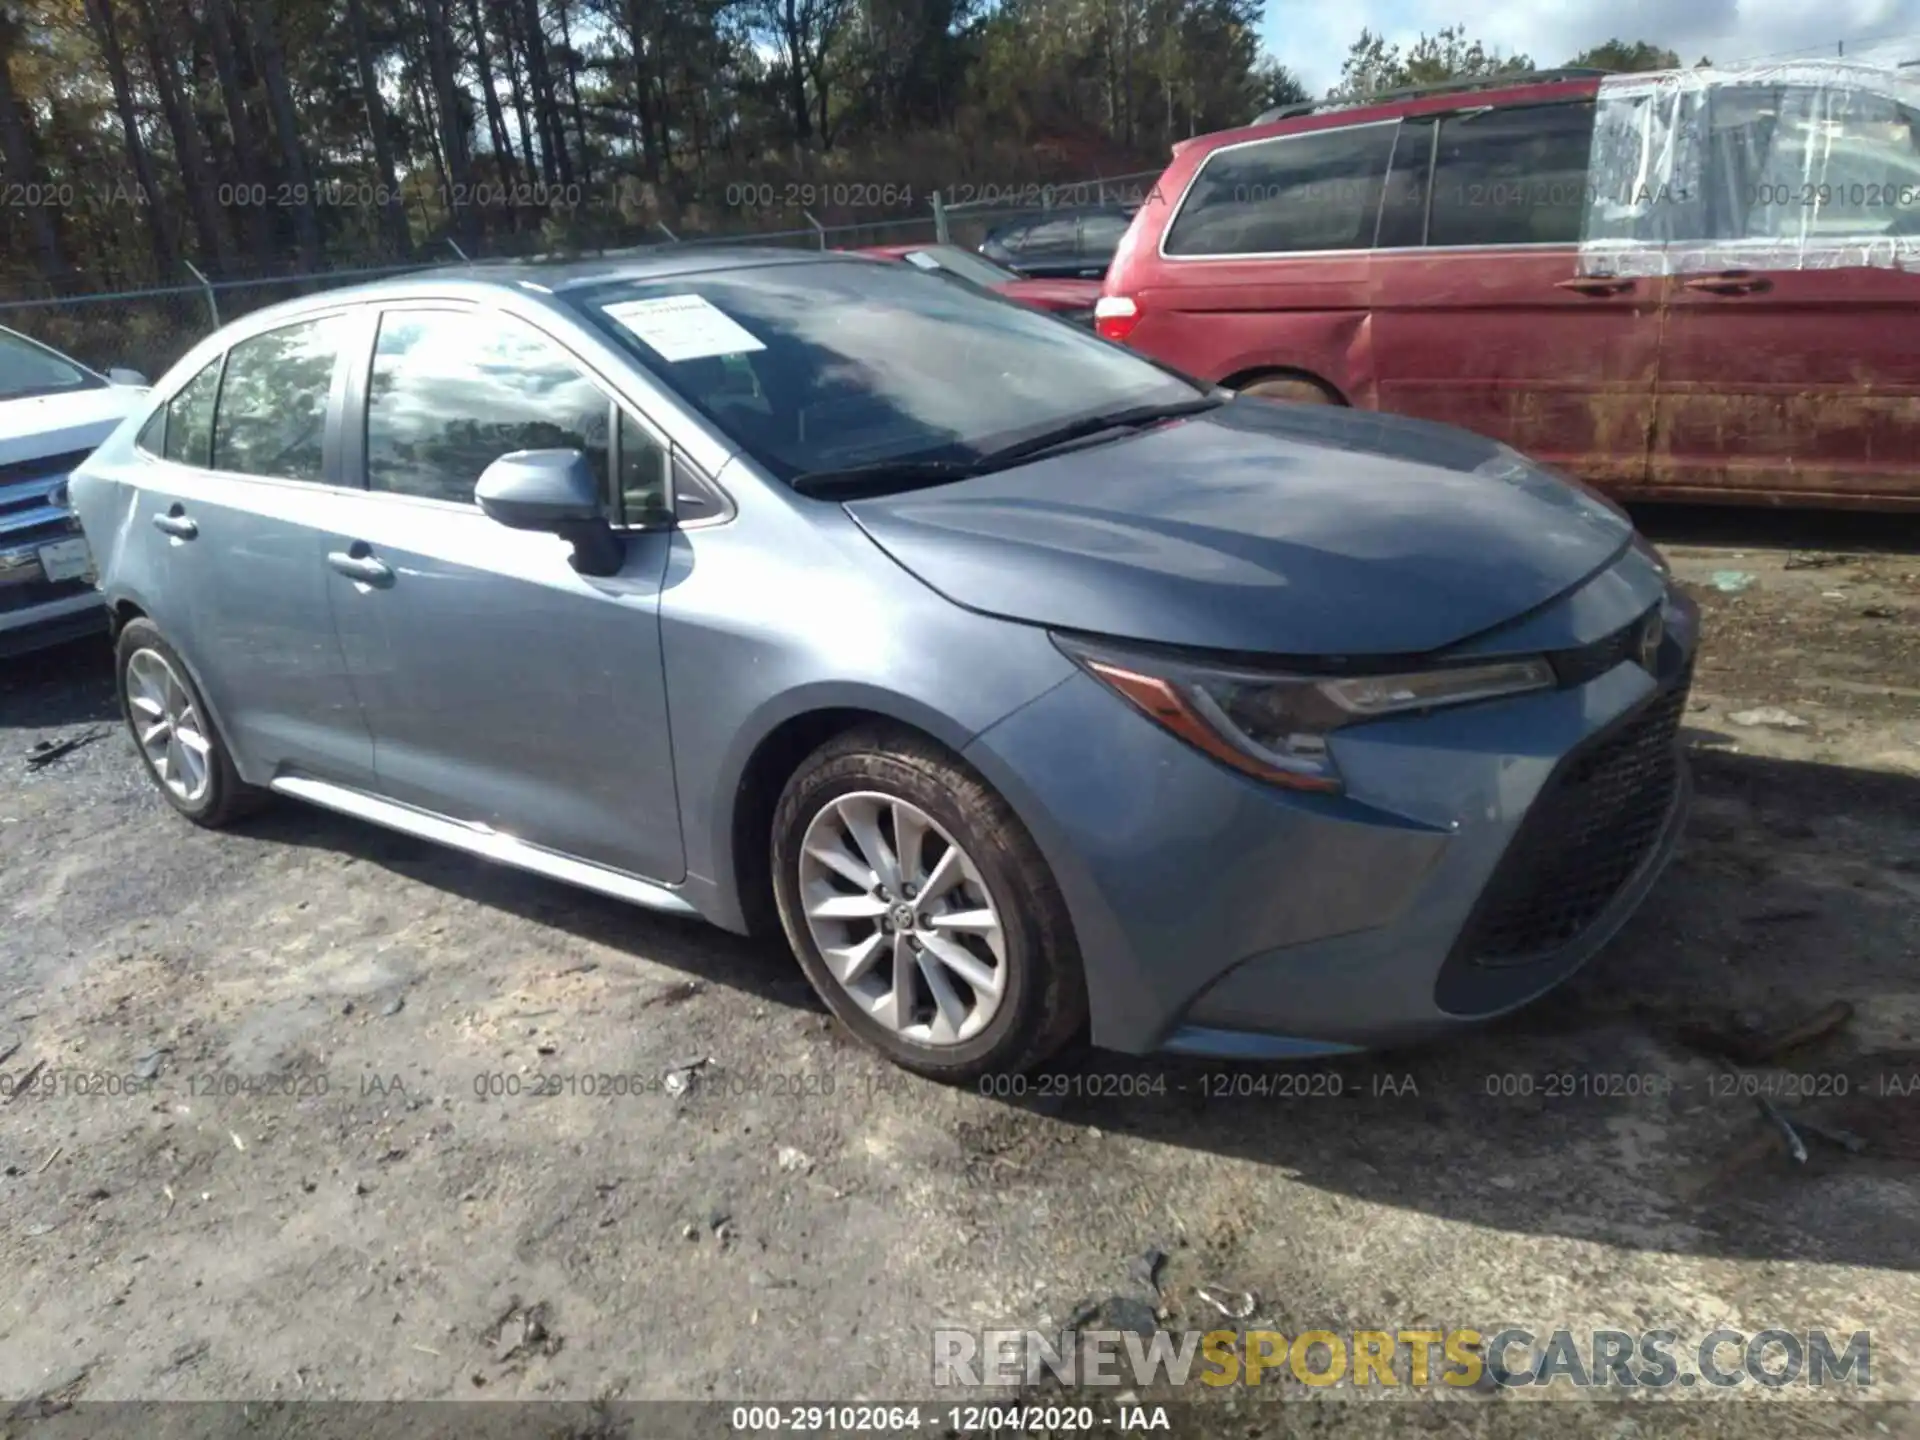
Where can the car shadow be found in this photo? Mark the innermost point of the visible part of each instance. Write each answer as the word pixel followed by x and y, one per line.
pixel 63 685
pixel 1593 1113
pixel 1597 1113
pixel 1602 1111
pixel 704 952
pixel 1752 527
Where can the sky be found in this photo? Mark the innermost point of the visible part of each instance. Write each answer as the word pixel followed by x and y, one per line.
pixel 1311 36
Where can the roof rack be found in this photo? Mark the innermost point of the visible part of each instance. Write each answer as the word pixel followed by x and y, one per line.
pixel 1444 87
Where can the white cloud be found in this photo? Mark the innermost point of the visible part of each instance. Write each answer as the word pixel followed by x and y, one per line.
pixel 1312 37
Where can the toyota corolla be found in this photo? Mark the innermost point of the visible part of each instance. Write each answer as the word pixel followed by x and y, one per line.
pixel 1028 688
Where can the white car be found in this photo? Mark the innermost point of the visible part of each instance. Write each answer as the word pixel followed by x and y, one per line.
pixel 53 411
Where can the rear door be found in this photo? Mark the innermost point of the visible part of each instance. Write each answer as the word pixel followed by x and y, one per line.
pixel 235 488
pixel 502 687
pixel 1479 317
pixel 1802 382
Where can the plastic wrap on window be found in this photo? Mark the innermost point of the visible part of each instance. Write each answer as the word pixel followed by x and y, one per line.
pixel 1812 165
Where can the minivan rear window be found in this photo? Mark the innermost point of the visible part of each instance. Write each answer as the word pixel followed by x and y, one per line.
pixel 1316 191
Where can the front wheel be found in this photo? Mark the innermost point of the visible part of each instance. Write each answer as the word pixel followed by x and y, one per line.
pixel 922 911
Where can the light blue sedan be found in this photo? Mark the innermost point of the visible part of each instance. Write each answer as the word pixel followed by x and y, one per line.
pixel 1029 688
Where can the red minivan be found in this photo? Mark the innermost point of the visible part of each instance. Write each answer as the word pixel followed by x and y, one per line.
pixel 1422 254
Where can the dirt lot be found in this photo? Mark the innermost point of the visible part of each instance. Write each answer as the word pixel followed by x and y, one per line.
pixel 324 1191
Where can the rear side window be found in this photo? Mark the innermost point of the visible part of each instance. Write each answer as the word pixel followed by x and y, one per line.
pixel 182 429
pixel 1511 177
pixel 272 416
pixel 1810 166
pixel 1318 191
pixel 1061 235
pixel 453 391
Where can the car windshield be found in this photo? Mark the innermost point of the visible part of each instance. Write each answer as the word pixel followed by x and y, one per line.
pixel 29 369
pixel 839 364
pixel 964 263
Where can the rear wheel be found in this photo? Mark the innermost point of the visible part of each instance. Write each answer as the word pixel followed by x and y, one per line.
pixel 174 733
pixel 922 911
pixel 1279 387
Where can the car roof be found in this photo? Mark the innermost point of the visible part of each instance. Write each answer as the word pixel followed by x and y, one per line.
pixel 478 279
pixel 1431 100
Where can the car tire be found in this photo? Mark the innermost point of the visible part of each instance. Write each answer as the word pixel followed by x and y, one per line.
pixel 190 763
pixel 1301 392
pixel 1038 1002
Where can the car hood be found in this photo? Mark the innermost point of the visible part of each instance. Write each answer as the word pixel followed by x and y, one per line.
pixel 1261 527
pixel 40 425
pixel 1053 294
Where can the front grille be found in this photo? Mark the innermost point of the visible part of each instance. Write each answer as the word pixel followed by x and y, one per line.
pixel 29 513
pixel 24 484
pixel 39 592
pixel 1588 832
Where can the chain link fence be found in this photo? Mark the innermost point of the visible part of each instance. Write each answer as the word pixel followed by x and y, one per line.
pixel 147 330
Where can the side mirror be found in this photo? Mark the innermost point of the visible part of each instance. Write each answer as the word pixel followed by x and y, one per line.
pixel 555 491
pixel 120 375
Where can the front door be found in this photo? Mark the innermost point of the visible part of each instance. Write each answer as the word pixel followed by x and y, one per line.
pixel 1792 369
pixel 502 687
pixel 1479 316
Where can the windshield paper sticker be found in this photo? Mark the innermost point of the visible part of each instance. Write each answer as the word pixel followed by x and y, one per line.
pixel 683 327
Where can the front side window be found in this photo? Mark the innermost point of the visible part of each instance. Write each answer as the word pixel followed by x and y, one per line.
pixel 1317 191
pixel 1515 176
pixel 825 365
pixel 645 480
pixel 272 417
pixel 28 369
pixel 454 390
pixel 1403 205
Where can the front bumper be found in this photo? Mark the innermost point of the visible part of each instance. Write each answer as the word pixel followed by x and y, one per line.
pixel 36 611
pixel 1452 881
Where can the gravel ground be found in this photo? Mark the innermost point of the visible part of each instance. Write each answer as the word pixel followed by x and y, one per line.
pixel 320 1187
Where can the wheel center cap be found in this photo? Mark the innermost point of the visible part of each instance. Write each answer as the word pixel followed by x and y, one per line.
pixel 903 917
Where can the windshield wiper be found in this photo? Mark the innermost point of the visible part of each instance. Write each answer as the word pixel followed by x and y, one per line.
pixel 885 476
pixel 1132 419
pixel 881 477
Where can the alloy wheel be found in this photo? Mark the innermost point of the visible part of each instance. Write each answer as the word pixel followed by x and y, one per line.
pixel 902 918
pixel 169 727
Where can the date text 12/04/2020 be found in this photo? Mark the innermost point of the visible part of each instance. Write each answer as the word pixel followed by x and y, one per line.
pixel 946 1420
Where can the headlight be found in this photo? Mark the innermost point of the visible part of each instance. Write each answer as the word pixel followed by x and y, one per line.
pixel 1275 725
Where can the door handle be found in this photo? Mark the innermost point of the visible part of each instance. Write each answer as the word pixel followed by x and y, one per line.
pixel 363 567
pixel 1733 282
pixel 1596 284
pixel 175 523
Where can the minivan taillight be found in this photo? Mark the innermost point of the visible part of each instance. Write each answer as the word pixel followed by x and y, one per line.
pixel 1114 316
